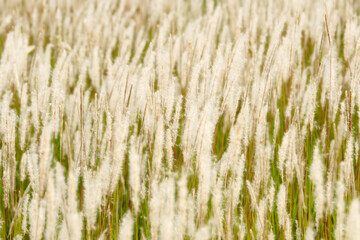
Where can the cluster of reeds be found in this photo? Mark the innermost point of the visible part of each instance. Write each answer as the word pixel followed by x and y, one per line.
pixel 139 119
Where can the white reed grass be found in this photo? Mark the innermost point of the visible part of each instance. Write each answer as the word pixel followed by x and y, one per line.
pixel 126 227
pixel 179 119
pixel 317 177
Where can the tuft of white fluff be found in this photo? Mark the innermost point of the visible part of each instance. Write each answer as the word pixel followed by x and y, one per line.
pixel 353 221
pixel 158 146
pixel 348 163
pixel 24 212
pixel 24 113
pixel 126 227
pixel 168 209
pixel 154 208
pixel 37 219
pixel 340 207
pixel 181 216
pixel 121 131
pixel 202 233
pixel 281 205
pixel 309 234
pixel 51 208
pixel 134 175
pixel 317 177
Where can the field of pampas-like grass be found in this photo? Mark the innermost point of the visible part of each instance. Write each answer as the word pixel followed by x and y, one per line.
pixel 179 119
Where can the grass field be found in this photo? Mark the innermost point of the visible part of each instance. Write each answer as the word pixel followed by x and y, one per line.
pixel 181 119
